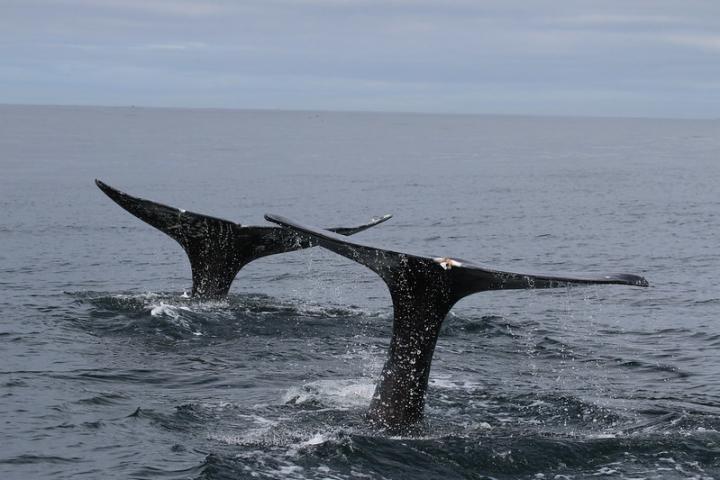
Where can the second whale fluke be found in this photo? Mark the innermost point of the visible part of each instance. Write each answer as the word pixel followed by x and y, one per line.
pixel 218 248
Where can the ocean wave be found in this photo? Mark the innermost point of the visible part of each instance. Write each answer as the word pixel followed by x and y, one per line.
pixel 179 316
pixel 345 455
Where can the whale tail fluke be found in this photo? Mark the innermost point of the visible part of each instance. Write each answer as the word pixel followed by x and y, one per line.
pixel 459 277
pixel 423 289
pixel 211 243
pixel 217 248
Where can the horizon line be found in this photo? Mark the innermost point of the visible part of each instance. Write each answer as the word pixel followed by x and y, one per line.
pixel 368 112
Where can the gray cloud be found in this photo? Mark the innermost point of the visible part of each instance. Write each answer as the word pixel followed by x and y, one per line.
pixel 643 58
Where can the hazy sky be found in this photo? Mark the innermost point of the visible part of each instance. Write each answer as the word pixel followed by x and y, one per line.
pixel 617 57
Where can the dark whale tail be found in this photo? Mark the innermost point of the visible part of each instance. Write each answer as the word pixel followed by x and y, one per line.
pixel 423 289
pixel 217 248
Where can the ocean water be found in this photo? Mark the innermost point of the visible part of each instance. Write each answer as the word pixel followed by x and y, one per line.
pixel 108 369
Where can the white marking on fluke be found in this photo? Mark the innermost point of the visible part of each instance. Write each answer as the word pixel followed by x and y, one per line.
pixel 447 263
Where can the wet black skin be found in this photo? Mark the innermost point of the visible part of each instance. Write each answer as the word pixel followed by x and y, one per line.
pixel 423 289
pixel 217 248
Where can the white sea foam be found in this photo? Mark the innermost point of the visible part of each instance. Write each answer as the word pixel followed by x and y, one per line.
pixel 164 309
pixel 333 393
pixel 316 439
pixel 279 450
pixel 174 312
pixel 449 383
pixel 257 433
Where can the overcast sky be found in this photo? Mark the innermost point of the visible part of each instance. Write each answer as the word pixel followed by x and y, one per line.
pixel 658 58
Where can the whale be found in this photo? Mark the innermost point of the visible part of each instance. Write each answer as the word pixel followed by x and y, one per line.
pixel 218 249
pixel 423 289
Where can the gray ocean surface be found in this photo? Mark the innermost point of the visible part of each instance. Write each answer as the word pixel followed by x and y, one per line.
pixel 108 370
